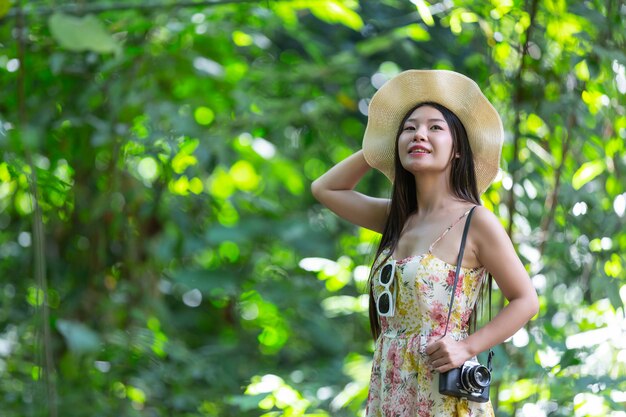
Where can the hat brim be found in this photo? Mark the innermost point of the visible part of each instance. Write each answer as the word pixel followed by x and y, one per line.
pixel 456 92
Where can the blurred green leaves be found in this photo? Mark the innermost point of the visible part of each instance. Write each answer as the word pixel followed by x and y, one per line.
pixel 82 34
pixel 79 337
pixel 190 270
pixel 587 172
pixel 5 6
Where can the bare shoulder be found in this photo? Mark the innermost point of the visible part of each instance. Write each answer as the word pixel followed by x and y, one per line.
pixel 486 229
pixel 485 221
pixel 487 233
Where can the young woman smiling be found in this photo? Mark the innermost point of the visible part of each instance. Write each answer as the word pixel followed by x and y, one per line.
pixel 438 140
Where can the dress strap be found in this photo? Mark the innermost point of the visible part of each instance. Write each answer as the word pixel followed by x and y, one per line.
pixel 445 232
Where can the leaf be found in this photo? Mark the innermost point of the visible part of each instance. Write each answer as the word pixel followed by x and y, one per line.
pixel 415 32
pixel 78 336
pixel 582 70
pixel 587 172
pixel 246 402
pixel 5 6
pixel 424 12
pixel 335 12
pixel 81 33
pixel 570 358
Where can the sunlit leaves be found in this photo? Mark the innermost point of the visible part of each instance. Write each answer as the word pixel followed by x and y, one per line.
pixel 82 33
pixel 595 100
pixel 187 158
pixel 335 274
pixel 345 304
pixel 241 38
pixel 221 184
pixel 504 55
pixel 587 172
pixel 582 70
pixel 590 405
pixel 535 125
pixel 424 11
pixel 459 16
pixel 613 267
pixel 244 176
pixel 183 185
pixel 229 250
pixel 275 392
pixel 35 296
pixel 336 11
pixel 136 395
pixel 24 202
pixel 204 115
pixel 227 214
pixel 140 126
pixel 234 72
pixel 619 204
pixel 160 338
pixel 415 32
pixel 520 390
pixel 148 169
pixel 260 313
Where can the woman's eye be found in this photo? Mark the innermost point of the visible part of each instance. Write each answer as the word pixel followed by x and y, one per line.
pixel 436 127
pixel 409 128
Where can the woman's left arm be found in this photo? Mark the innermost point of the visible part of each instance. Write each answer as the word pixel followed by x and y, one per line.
pixel 494 250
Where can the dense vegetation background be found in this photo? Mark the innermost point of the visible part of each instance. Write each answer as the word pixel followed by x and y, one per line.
pixel 160 252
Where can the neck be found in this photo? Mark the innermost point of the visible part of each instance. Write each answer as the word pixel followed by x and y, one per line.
pixel 433 193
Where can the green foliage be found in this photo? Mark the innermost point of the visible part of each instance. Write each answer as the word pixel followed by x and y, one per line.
pixel 167 152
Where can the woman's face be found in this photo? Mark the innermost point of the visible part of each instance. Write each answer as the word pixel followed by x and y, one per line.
pixel 425 142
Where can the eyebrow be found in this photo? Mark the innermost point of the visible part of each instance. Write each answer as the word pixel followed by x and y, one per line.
pixel 429 120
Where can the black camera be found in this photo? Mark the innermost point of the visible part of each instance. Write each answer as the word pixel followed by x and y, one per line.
pixel 470 381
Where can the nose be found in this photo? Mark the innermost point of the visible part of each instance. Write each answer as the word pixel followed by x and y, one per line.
pixel 420 135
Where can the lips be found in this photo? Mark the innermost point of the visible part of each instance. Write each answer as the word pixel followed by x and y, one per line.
pixel 418 149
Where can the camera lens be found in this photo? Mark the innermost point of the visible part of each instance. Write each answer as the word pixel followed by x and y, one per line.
pixel 481 376
pixel 475 377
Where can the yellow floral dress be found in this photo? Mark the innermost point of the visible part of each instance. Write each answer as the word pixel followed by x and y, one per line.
pixel 401 383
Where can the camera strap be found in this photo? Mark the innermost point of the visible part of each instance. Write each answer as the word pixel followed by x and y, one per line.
pixel 456 281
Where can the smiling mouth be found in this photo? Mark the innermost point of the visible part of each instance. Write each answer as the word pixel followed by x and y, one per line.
pixel 418 151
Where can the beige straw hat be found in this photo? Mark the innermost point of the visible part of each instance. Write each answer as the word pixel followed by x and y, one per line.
pixel 455 91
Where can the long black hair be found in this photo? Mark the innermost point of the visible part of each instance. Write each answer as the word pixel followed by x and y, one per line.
pixel 404 194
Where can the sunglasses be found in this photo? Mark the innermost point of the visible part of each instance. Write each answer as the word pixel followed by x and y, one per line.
pixel 385 302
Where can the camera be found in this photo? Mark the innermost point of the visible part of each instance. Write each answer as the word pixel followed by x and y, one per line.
pixel 470 381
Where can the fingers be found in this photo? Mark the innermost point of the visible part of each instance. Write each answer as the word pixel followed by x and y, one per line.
pixel 443 355
pixel 435 345
pixel 432 347
pixel 443 369
pixel 442 365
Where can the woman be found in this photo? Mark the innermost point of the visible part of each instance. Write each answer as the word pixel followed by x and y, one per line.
pixel 438 139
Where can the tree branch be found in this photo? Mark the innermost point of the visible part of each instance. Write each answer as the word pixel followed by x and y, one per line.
pixel 516 105
pixel 81 9
pixel 38 230
pixel 552 198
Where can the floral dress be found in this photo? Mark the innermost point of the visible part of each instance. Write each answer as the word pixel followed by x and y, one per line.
pixel 401 383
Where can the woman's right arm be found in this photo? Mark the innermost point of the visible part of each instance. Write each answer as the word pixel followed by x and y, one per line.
pixel 335 190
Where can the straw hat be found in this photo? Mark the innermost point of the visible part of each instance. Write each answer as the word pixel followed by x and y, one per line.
pixel 452 90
